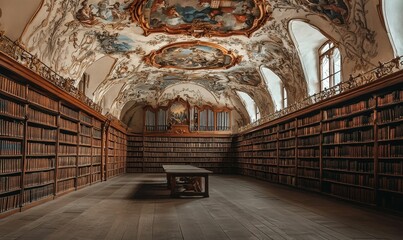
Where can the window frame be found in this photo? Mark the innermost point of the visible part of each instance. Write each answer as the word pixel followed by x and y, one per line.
pixel 329 54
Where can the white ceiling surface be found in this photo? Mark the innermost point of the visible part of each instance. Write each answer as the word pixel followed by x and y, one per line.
pixel 62 42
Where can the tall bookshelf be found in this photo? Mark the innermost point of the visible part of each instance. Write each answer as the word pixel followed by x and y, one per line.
pixel 309 151
pixel 68 149
pixel 50 142
pixel 348 147
pixel 41 143
pixel 116 152
pixel 134 154
pixel 12 143
pixel 210 152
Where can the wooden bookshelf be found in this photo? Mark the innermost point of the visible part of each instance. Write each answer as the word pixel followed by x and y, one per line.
pixel 135 153
pixel 348 147
pixel 50 143
pixel 116 151
pixel 210 152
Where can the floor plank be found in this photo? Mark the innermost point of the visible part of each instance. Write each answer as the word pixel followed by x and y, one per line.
pixel 138 206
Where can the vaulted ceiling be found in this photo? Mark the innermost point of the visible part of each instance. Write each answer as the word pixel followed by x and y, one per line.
pixel 148 52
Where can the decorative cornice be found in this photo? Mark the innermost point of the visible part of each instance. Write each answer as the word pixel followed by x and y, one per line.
pixel 384 69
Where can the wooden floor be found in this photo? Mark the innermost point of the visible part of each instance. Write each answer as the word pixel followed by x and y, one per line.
pixel 137 206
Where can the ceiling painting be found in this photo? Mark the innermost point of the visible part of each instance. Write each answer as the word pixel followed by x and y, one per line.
pixel 201 17
pixel 194 55
pixel 335 11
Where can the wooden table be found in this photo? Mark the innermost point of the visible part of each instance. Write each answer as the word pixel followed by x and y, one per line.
pixel 193 180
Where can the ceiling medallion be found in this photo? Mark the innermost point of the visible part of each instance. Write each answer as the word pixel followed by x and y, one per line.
pixel 194 55
pixel 201 18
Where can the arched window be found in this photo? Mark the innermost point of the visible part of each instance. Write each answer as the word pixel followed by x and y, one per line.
pixel 392 13
pixel 330 65
pixel 284 97
pixel 273 83
pixel 253 111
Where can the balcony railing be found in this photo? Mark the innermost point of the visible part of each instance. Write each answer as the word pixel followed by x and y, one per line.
pixel 19 54
pixel 353 82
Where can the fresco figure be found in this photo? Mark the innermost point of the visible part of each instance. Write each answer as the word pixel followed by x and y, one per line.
pixel 84 14
pixel 335 10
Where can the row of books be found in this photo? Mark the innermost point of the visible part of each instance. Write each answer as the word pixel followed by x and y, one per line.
pixel 85 118
pixel 84 171
pixel 67 149
pixel 389 150
pixel 35 194
pixel 312 173
pixel 36 164
pixel 286 153
pixel 190 154
pixel 391 114
pixel 353 193
pixel 68 111
pixel 10 147
pixel 67 124
pixel 9 202
pixel 66 185
pixel 313 163
pixel 186 150
pixel 84 161
pixel 393 97
pixel 309 152
pixel 310 184
pixel 391 184
pixel 287 170
pixel 394 167
pixel 358 121
pixel 67 161
pixel 97 134
pixel 309 130
pixel 12 87
pixel 8 107
pixel 349 165
pixel 309 120
pixel 350 178
pixel 286 126
pixel 41 117
pixel 260 146
pixel 349 136
pixel 286 143
pixel 348 109
pixel 65 173
pixel 41 99
pixel 38 178
pixel 288 180
pixel 287 134
pixel 96 142
pixel 34 148
pixel 188 139
pixel 85 130
pixel 85 140
pixel 84 150
pixel 10 183
pixel 186 145
pixel 309 141
pixel 37 133
pixel 349 151
pixel 390 132
pixel 69 138
pixel 10 165
pixel 11 128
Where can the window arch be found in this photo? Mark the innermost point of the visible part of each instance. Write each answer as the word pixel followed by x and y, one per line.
pixel 393 18
pixel 274 86
pixel 250 105
pixel 329 65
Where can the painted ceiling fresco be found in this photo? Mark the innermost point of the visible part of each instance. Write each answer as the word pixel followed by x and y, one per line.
pixel 230 41
pixel 192 56
pixel 201 17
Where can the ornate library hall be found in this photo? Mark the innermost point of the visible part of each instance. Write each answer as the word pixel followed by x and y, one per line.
pixel 201 119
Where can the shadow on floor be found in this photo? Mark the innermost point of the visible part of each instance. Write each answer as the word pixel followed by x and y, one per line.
pixel 151 190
